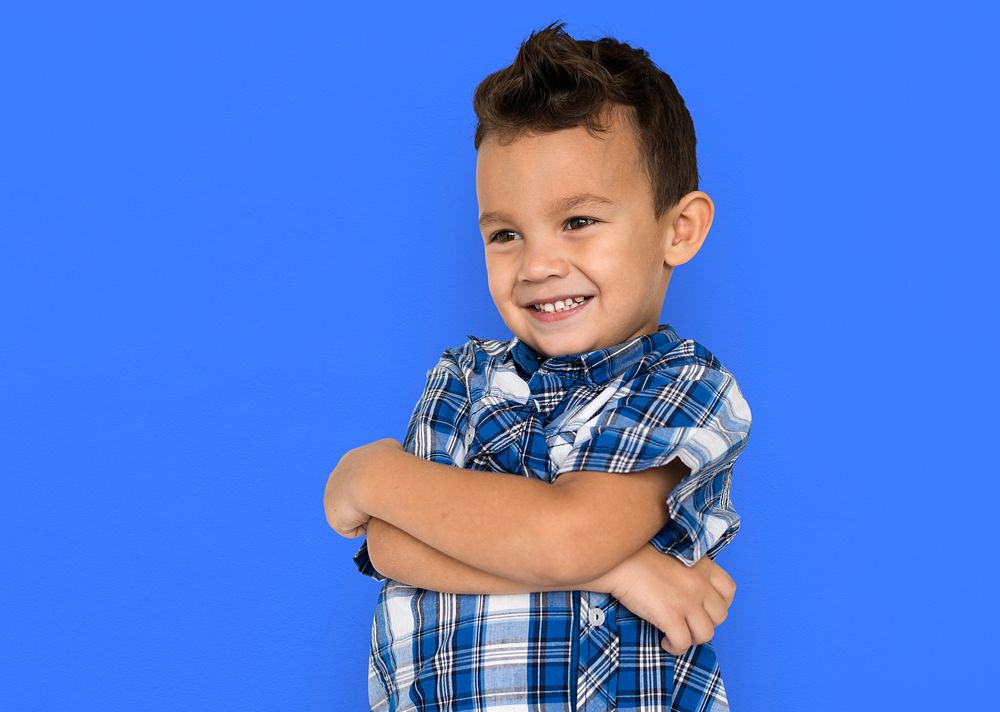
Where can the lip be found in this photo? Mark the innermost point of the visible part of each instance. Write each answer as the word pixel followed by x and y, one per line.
pixel 546 317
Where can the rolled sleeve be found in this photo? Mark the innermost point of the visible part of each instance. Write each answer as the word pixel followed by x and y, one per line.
pixel 704 421
pixel 434 431
pixel 364 563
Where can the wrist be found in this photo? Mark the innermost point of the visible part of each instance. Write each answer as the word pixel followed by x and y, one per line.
pixel 605 583
pixel 621 577
pixel 363 475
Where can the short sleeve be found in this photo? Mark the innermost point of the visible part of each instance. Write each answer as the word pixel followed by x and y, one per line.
pixel 434 431
pixel 364 563
pixel 696 413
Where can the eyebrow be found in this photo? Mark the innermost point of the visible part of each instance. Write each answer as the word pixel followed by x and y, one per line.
pixel 558 206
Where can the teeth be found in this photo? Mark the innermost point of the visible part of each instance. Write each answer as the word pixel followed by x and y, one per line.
pixel 560 305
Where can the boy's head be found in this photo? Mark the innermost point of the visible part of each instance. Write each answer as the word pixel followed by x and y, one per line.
pixel 572 118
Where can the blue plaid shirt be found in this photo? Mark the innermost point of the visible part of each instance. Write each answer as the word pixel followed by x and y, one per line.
pixel 496 405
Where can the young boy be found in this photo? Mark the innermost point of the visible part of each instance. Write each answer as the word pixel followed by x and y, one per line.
pixel 548 590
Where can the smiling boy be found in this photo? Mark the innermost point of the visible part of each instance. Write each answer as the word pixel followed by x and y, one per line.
pixel 614 253
pixel 535 591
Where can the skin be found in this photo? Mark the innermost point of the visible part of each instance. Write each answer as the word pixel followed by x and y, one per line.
pixel 619 253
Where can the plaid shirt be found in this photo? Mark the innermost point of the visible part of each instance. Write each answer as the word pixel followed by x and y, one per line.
pixel 495 405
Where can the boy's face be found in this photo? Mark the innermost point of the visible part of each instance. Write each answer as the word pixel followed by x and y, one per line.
pixel 614 253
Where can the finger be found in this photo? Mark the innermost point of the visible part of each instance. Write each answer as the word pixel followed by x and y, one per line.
pixel 677 635
pixel 670 647
pixel 701 626
pixel 716 607
pixel 724 584
pixel 674 648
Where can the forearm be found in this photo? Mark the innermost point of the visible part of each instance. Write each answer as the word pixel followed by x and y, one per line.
pixel 499 523
pixel 402 557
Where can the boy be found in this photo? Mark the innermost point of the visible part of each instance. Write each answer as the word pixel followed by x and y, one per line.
pixel 547 590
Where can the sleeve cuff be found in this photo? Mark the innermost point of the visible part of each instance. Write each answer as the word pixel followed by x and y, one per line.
pixel 364 563
pixel 701 523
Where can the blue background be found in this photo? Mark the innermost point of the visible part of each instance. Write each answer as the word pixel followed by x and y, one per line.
pixel 234 237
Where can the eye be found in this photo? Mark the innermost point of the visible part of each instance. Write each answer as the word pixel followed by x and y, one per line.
pixel 493 237
pixel 591 221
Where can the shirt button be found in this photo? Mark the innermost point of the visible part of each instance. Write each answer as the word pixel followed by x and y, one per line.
pixel 596 616
pixel 469 436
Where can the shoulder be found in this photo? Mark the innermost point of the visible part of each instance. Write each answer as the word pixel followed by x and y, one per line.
pixel 674 352
pixel 685 371
pixel 680 359
pixel 471 357
pixel 473 353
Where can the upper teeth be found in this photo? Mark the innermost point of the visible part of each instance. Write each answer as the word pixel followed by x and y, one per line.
pixel 560 304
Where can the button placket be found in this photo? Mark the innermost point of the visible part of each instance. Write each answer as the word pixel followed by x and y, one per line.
pixel 599 656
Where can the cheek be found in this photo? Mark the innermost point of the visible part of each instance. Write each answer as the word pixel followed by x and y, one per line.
pixel 496 278
pixel 629 261
pixel 609 249
pixel 601 266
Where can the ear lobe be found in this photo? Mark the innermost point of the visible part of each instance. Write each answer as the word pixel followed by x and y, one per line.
pixel 674 253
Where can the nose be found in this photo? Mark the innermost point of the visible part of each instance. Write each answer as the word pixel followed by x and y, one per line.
pixel 541 260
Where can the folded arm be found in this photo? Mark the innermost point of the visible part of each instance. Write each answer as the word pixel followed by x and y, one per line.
pixel 517 528
pixel 401 557
pixel 502 524
pixel 613 515
pixel 689 417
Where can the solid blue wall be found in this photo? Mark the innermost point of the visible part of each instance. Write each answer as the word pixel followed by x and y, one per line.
pixel 233 238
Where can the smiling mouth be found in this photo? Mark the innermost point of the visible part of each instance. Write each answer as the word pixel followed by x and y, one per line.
pixel 557 315
pixel 556 310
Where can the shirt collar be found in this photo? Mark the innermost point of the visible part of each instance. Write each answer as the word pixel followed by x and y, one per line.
pixel 598 366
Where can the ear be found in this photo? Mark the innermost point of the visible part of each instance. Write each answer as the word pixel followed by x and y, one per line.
pixel 686 226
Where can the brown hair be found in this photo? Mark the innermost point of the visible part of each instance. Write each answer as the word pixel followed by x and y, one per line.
pixel 556 82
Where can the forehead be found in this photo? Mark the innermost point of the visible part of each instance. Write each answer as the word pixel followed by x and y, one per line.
pixel 537 169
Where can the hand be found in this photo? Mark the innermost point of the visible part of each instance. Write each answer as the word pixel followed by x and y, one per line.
pixel 340 498
pixel 685 603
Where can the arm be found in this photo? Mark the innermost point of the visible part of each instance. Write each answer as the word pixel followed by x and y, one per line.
pixel 492 523
pixel 663 419
pixel 591 520
pixel 401 557
pixel 514 527
pixel 613 515
pixel 497 523
pixel 506 525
